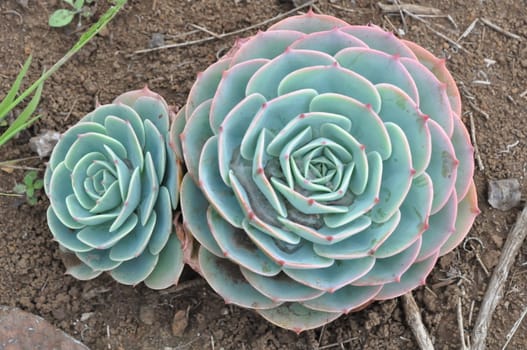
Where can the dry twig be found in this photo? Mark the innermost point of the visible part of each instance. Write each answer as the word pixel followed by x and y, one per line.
pixel 467 31
pixel 71 109
pixel 479 110
pixel 514 329
pixel 224 35
pixel 471 312
pixel 439 34
pixel 474 142
pixel 339 344
pixel 400 11
pixel 321 336
pixel 460 324
pixel 10 164
pixel 203 29
pixel 413 318
pixel 478 258
pixel 415 9
pixel 494 291
pixel 341 7
pixel 13 12
pixel 500 30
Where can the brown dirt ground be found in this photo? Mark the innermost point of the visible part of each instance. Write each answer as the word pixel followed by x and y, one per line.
pixel 105 315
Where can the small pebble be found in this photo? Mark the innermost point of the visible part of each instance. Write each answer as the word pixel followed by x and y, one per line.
pixel 504 194
pixel 86 316
pixel 179 323
pixel 157 40
pixel 104 32
pixel 28 331
pixel 43 144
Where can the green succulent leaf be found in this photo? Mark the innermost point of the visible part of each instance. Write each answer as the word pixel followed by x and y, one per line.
pixel 11 94
pixel 113 182
pixel 327 168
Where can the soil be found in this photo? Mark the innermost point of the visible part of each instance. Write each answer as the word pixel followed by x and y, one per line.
pixel 491 72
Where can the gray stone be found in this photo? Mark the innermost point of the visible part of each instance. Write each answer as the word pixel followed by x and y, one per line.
pixel 21 330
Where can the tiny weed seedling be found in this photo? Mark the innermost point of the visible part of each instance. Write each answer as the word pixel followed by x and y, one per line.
pixel 63 17
pixel 31 187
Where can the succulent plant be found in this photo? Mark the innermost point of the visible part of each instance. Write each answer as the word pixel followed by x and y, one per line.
pixel 113 183
pixel 328 167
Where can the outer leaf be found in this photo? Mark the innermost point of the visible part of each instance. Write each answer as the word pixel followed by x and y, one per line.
pixel 169 266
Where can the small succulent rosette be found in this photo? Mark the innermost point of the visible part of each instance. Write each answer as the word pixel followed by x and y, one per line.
pixel 113 183
pixel 328 167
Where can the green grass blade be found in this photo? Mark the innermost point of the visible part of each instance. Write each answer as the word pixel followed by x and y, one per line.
pixel 9 103
pixel 6 136
pixel 8 99
pixel 30 108
pixel 23 120
pixel 87 36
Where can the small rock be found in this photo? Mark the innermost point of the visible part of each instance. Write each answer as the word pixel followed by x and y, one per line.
pixel 179 323
pixel 104 32
pixel 27 331
pixel 43 144
pixel 86 316
pixel 157 40
pixel 504 194
pixel 146 314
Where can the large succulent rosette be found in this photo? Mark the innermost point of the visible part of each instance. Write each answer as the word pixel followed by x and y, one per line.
pixel 328 167
pixel 113 183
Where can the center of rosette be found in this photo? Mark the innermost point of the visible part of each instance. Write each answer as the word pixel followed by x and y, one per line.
pixel 303 172
pixel 318 167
